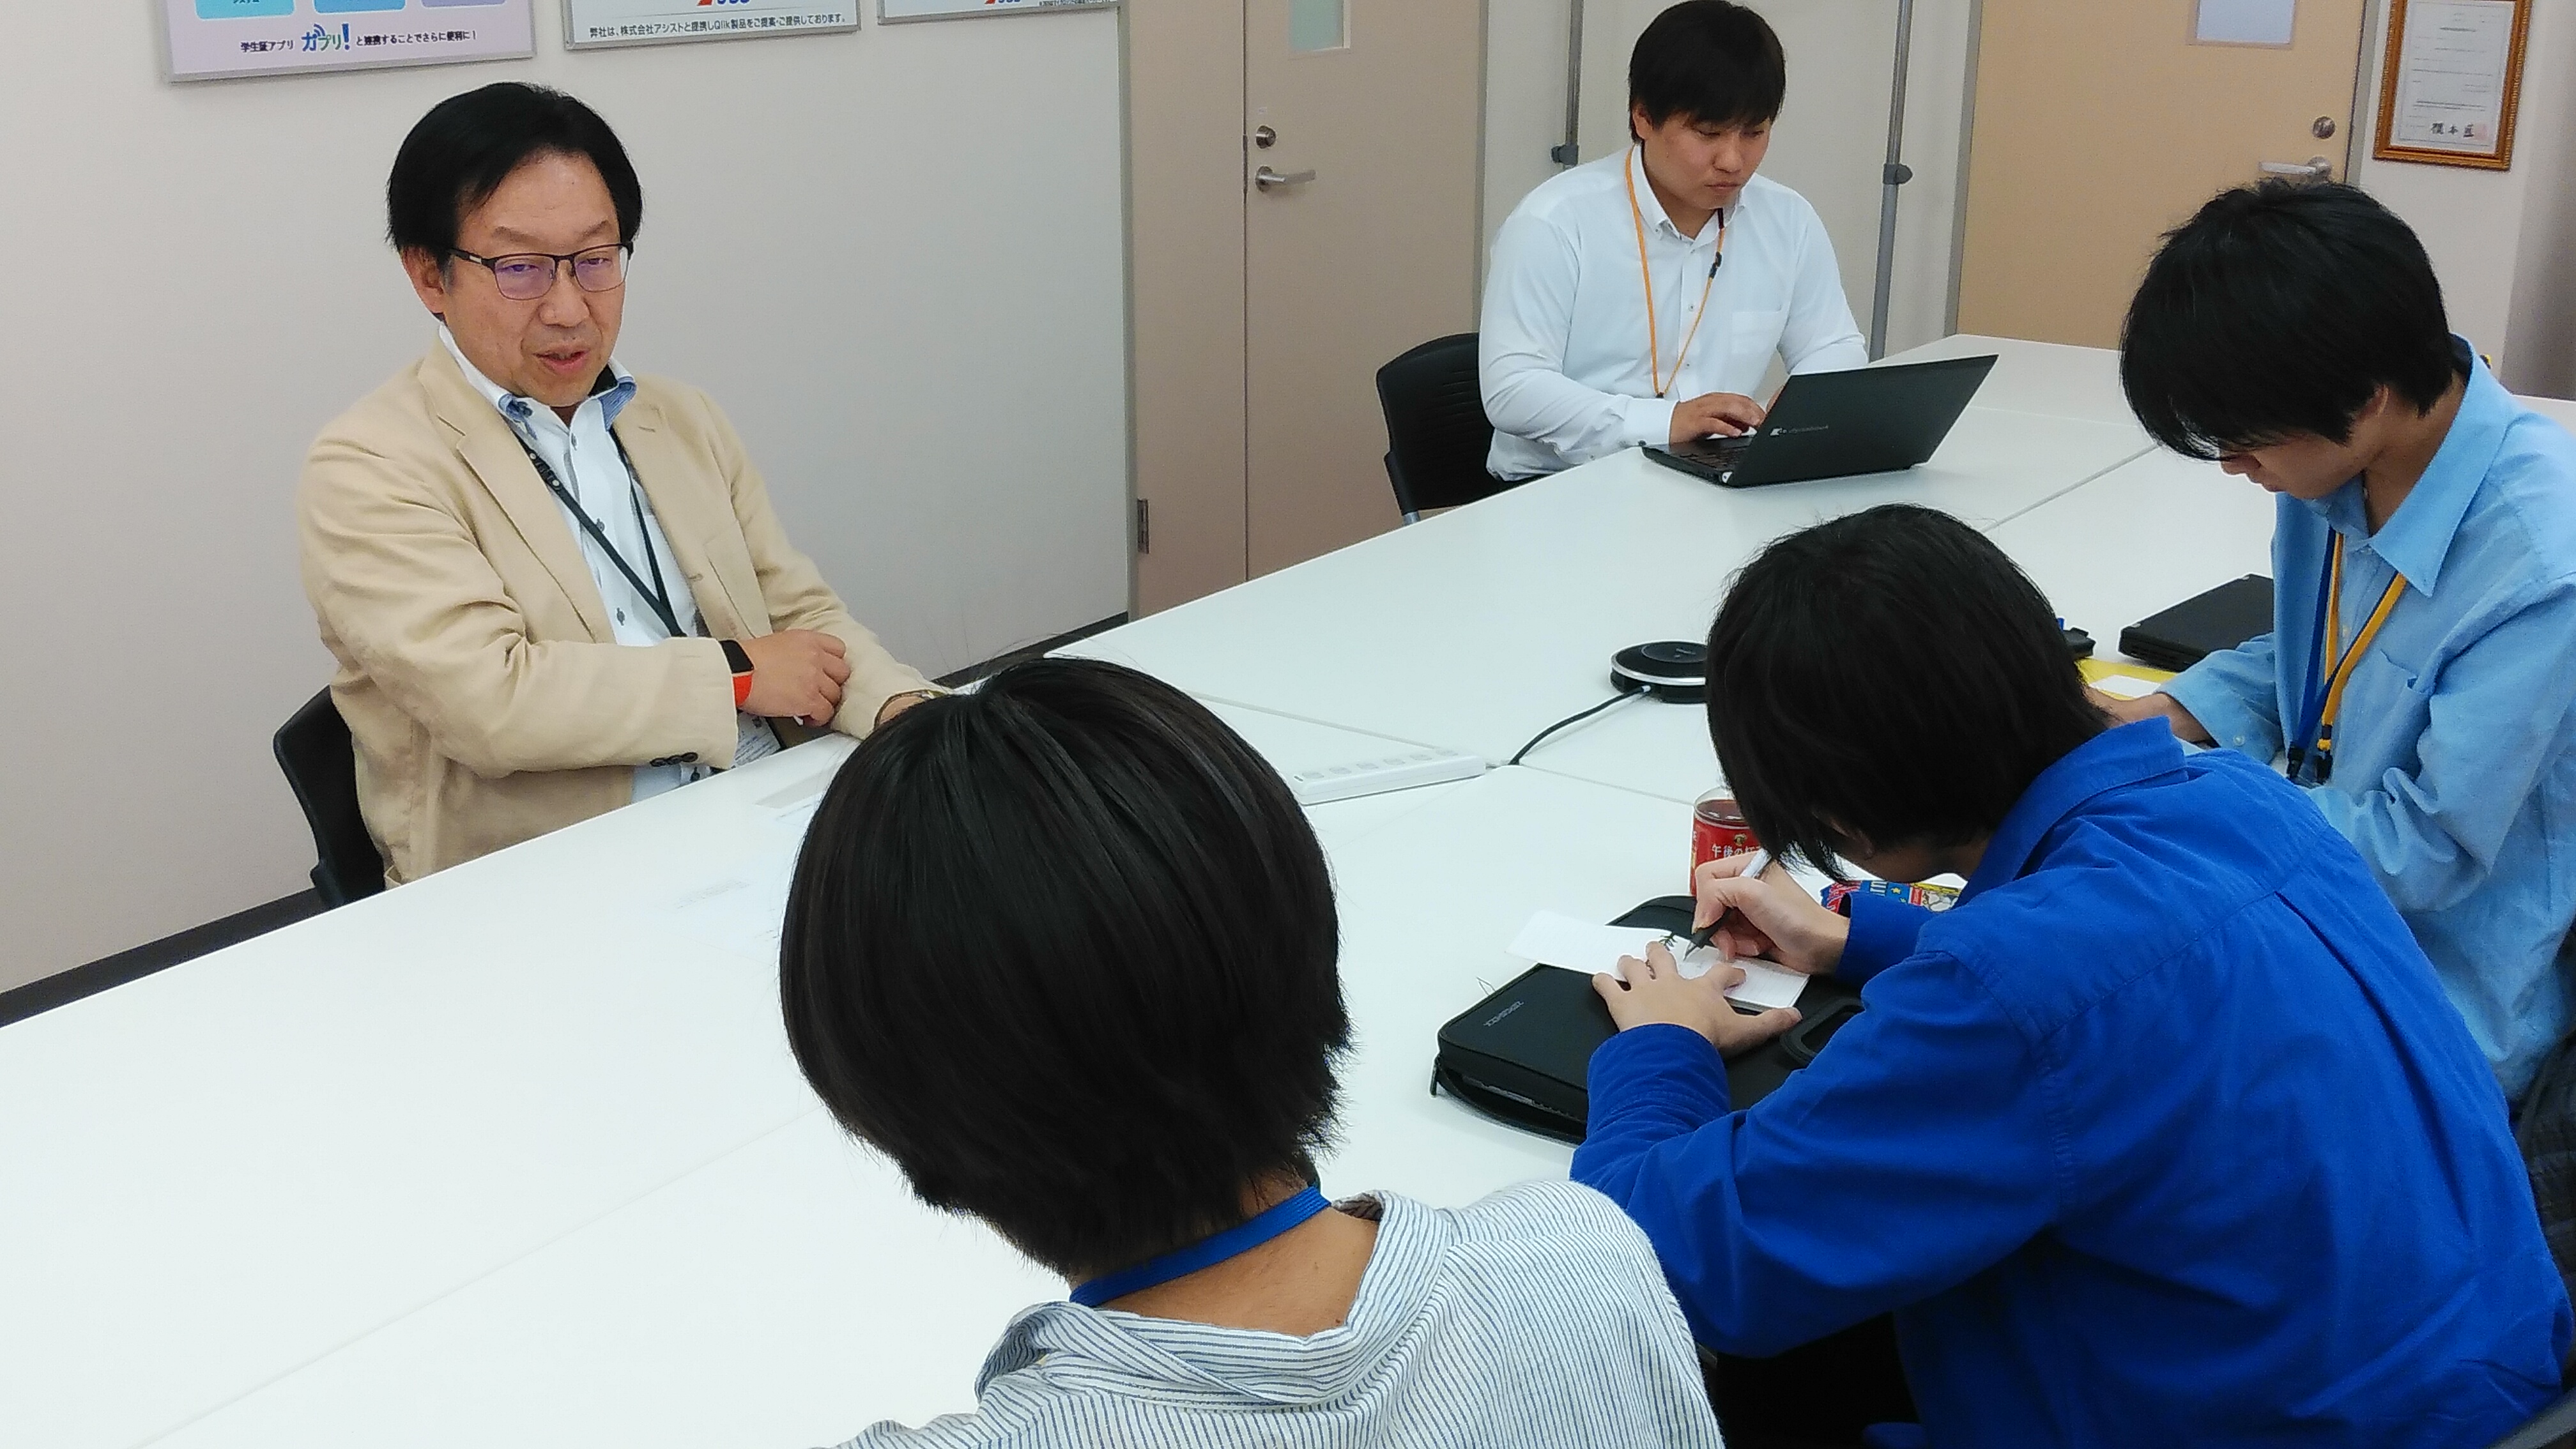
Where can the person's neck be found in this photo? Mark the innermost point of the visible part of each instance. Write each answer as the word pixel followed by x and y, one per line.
pixel 1299 1283
pixel 1689 220
pixel 2393 472
pixel 1963 860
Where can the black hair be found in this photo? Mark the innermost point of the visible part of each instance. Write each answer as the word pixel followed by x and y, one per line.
pixel 461 152
pixel 1064 949
pixel 1716 63
pixel 2279 310
pixel 1889 678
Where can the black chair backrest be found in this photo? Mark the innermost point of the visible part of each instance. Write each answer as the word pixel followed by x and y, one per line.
pixel 322 768
pixel 1436 431
pixel 2555 1426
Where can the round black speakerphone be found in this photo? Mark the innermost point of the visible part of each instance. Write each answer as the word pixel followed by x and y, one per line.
pixel 1674 670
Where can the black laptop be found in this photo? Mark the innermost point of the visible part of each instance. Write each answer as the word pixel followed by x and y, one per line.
pixel 1836 424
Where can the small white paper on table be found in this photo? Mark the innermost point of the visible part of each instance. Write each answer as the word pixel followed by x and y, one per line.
pixel 1577 945
pixel 2245 22
pixel 2125 686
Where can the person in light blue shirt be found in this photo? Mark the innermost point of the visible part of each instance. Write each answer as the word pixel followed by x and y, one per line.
pixel 2421 671
pixel 2163 1135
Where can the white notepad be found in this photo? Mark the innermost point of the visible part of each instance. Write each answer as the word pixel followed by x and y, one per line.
pixel 1578 945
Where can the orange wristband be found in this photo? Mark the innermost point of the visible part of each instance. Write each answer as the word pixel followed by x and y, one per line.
pixel 738 659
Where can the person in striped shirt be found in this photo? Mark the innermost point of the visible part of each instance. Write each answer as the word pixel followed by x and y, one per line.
pixel 1064 949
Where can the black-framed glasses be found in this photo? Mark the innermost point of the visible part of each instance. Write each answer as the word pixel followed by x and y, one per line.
pixel 526 276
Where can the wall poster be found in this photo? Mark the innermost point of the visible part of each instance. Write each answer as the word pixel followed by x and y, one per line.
pixel 213 39
pixel 590 24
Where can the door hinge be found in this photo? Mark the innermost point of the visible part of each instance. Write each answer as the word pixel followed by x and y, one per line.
pixel 1144 527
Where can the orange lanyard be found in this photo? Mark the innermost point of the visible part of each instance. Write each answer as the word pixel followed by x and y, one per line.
pixel 2345 659
pixel 1646 274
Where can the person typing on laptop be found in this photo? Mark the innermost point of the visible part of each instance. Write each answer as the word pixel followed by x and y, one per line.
pixel 1640 298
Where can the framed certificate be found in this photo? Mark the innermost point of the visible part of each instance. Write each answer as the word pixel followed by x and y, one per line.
pixel 2451 81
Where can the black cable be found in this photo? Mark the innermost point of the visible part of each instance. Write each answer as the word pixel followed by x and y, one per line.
pixel 1524 750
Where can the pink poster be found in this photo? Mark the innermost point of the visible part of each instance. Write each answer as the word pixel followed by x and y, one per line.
pixel 215 38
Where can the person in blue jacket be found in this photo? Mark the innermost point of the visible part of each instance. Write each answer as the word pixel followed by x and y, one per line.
pixel 2164 1134
pixel 2421 669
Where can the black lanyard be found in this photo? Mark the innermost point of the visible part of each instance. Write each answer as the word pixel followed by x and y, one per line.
pixel 658 594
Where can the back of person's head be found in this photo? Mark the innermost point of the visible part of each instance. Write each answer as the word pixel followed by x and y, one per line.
pixel 2280 310
pixel 1064 949
pixel 461 152
pixel 1888 679
pixel 1718 64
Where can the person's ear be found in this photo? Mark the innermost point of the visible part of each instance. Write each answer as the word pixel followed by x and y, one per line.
pixel 428 276
pixel 1638 122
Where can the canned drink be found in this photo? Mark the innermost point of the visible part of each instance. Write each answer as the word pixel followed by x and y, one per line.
pixel 1718 830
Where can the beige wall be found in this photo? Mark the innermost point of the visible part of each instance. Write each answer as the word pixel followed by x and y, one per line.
pixel 893 256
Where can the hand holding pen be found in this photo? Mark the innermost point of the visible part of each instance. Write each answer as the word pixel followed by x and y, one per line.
pixel 1749 906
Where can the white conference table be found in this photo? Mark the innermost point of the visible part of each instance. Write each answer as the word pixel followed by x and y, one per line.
pixel 1477 628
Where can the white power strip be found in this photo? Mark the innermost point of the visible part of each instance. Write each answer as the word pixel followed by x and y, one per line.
pixel 1401 771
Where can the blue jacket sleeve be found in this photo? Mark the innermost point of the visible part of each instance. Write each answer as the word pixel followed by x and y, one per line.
pixel 1912 1155
pixel 1882 933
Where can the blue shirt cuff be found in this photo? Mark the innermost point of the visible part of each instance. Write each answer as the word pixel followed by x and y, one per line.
pixel 1677 1058
pixel 1883 932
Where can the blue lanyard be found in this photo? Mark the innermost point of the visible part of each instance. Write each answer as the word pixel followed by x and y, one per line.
pixel 2312 696
pixel 1234 1242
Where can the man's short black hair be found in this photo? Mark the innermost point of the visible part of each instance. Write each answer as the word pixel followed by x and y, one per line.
pixel 2279 310
pixel 1064 948
pixel 1888 678
pixel 461 152
pixel 1715 63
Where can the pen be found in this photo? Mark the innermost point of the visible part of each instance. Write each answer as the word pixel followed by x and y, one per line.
pixel 1760 863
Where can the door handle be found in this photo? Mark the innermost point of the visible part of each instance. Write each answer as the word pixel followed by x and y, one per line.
pixel 1265 178
pixel 2315 168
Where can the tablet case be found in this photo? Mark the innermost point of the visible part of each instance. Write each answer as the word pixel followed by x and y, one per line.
pixel 1520 1054
pixel 2206 624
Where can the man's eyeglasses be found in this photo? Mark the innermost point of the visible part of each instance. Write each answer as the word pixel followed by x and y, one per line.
pixel 526 276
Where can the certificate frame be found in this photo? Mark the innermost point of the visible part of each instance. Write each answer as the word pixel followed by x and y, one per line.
pixel 2497 156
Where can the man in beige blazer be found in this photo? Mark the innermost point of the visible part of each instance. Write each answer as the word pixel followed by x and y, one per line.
pixel 552 587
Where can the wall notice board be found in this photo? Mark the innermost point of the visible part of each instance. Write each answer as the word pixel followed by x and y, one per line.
pixel 2452 81
pixel 212 39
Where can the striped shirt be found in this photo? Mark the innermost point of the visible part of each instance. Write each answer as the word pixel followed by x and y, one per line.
pixel 1536 1317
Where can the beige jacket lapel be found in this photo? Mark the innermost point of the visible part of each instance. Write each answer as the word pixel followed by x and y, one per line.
pixel 692 508
pixel 492 451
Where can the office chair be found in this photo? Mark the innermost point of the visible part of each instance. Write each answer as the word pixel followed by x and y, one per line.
pixel 1436 430
pixel 2554 1428
pixel 322 768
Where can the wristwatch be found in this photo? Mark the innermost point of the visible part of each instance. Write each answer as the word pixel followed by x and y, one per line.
pixel 738 659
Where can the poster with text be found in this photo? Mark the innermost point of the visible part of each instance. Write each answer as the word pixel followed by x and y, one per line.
pixel 211 39
pixel 890 10
pixel 590 23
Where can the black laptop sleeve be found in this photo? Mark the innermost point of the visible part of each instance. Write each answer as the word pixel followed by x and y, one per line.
pixel 2206 624
pixel 1521 1054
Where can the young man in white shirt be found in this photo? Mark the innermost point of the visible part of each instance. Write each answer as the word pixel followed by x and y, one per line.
pixel 1640 298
